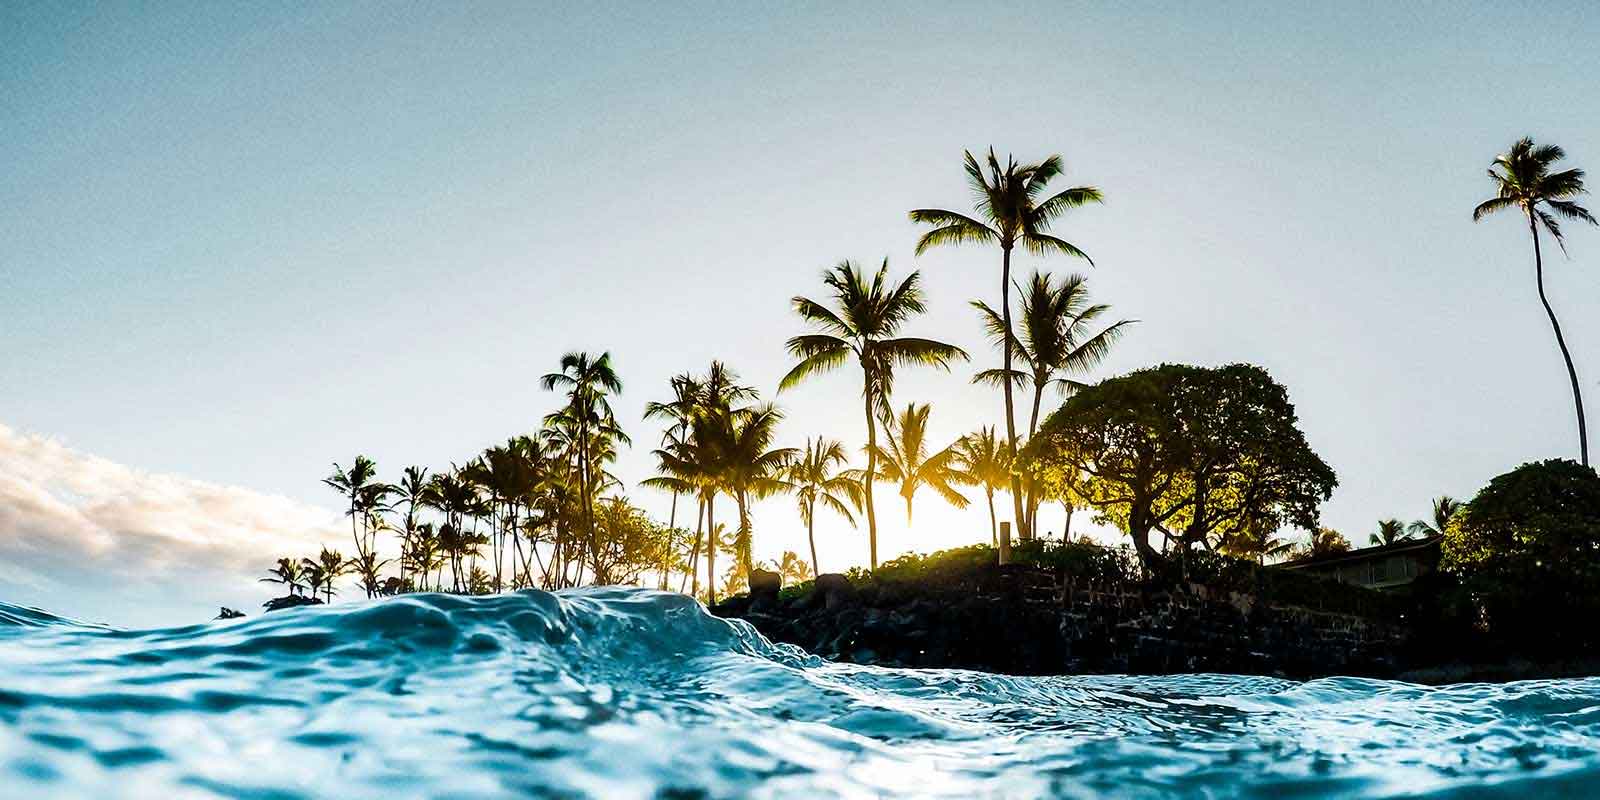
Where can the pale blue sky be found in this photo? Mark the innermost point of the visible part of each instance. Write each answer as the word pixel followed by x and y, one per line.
pixel 237 244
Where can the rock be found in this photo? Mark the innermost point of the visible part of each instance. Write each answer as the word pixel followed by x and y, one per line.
pixel 833 588
pixel 228 613
pixel 290 601
pixel 764 582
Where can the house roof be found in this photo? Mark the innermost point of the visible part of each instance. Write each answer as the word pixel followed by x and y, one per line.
pixel 1364 553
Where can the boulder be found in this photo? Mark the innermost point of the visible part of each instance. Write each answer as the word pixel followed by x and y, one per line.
pixel 765 582
pixel 228 613
pixel 290 601
pixel 833 589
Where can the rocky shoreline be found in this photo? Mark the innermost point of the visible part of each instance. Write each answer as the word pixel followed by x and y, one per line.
pixel 1025 620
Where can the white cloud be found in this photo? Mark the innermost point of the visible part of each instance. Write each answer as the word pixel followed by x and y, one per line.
pixel 85 536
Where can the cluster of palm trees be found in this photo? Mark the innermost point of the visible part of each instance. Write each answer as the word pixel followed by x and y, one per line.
pixel 544 510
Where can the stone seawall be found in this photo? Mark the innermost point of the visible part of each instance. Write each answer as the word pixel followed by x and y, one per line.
pixel 1027 621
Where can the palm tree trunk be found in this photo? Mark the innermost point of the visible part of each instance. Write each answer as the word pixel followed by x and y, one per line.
pixel 1066 527
pixel 867 477
pixel 994 528
pixel 711 549
pixel 692 576
pixel 811 537
pixel 1011 418
pixel 1572 373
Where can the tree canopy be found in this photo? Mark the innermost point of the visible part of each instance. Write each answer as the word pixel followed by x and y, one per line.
pixel 1197 454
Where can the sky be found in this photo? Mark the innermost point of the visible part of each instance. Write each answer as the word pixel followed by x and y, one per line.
pixel 240 243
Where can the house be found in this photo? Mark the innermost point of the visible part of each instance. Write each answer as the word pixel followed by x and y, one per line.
pixel 1384 566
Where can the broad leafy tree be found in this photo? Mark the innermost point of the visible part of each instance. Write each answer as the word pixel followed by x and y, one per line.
pixel 1194 454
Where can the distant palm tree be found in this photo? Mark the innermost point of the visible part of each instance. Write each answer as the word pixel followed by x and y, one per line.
pixel 752 468
pixel 1056 341
pixel 815 477
pixel 359 485
pixel 413 492
pixel 1389 532
pixel 1444 507
pixel 287 572
pixel 588 381
pixel 982 459
pixel 1523 180
pixel 862 324
pixel 1325 541
pixel 324 570
pixel 1012 208
pixel 906 459
pixel 366 567
pixel 794 569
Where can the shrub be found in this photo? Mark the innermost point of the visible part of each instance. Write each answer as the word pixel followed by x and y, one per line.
pixel 1526 550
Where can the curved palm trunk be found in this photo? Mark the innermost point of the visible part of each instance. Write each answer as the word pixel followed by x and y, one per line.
pixel 867 477
pixel 1011 417
pixel 1572 373
pixel 811 536
pixel 693 573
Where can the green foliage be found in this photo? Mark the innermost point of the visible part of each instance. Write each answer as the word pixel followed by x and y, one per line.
pixel 1526 550
pixel 1200 455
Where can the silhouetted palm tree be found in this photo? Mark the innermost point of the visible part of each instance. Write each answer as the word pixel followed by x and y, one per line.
pixel 863 323
pixel 906 459
pixel 1523 180
pixel 413 493
pixel 981 458
pixel 1056 341
pixel 287 572
pixel 1444 507
pixel 815 477
pixel 752 468
pixel 1389 532
pixel 1013 208
pixel 365 494
pixel 588 381
pixel 323 571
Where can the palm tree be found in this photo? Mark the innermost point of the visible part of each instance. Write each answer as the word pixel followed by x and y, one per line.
pixel 1523 180
pixel 1055 342
pixel 324 570
pixel 982 460
pixel 413 492
pixel 287 572
pixel 588 381
pixel 1444 507
pixel 364 493
pixel 814 477
pixel 794 569
pixel 863 324
pixel 1012 209
pixel 906 459
pixel 1389 532
pixel 751 468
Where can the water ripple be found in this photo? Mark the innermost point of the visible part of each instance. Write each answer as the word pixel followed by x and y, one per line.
pixel 625 693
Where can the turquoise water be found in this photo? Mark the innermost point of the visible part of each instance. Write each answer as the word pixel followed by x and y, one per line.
pixel 623 693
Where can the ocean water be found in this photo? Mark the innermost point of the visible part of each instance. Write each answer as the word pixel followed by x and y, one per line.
pixel 624 693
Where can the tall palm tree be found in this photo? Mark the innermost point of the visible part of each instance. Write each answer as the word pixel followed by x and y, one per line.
pixel 752 467
pixel 1523 180
pixel 413 493
pixel 1444 507
pixel 1389 532
pixel 815 478
pixel 981 458
pixel 359 485
pixel 1056 341
pixel 588 381
pixel 1014 207
pixel 863 323
pixel 906 459
pixel 678 413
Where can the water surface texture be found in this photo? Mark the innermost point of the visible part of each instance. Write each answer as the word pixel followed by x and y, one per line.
pixel 625 693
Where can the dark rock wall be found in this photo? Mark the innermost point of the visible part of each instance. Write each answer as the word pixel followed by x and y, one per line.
pixel 1028 622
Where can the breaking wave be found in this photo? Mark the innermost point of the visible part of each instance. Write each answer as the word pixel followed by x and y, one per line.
pixel 630 693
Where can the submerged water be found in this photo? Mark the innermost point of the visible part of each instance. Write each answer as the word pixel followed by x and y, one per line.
pixel 615 693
